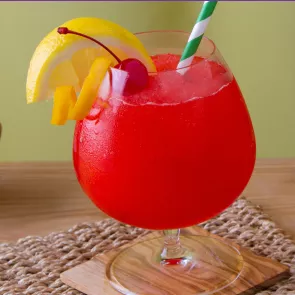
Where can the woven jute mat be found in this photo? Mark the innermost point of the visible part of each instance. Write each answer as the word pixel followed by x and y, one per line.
pixel 33 265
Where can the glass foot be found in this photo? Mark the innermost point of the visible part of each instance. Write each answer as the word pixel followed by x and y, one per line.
pixel 206 265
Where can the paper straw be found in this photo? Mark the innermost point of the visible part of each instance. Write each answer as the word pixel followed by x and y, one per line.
pixel 196 36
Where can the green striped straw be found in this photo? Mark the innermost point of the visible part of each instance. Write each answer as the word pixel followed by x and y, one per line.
pixel 196 35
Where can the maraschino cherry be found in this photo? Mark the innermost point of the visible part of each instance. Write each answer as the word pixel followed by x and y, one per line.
pixel 137 72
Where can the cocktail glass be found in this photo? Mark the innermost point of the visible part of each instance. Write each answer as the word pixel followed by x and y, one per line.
pixel 169 157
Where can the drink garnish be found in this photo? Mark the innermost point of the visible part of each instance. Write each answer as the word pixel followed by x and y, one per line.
pixel 61 60
pixel 137 80
pixel 63 102
pixel 137 72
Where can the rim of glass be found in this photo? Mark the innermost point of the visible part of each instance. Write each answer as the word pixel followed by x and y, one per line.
pixel 184 33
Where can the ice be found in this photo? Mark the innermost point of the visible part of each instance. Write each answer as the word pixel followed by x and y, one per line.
pixel 104 88
pixel 113 84
pixel 204 78
pixel 119 79
pixel 171 87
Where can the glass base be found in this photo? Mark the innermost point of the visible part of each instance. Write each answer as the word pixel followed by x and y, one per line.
pixel 206 265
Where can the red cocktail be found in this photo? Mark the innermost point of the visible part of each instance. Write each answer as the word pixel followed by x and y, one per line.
pixel 171 156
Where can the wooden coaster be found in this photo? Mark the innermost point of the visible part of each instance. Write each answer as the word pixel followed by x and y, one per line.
pixel 258 272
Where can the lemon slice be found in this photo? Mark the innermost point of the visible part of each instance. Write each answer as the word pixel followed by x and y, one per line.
pixel 61 60
pixel 90 88
pixel 63 102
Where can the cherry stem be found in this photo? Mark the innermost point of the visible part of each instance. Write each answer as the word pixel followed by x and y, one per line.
pixel 65 30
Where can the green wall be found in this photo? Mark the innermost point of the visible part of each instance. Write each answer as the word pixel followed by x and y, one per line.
pixel 258 42
pixel 256 39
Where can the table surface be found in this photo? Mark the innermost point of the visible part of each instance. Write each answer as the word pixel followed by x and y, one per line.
pixel 38 198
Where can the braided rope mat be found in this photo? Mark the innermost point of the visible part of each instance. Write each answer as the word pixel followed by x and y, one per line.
pixel 33 264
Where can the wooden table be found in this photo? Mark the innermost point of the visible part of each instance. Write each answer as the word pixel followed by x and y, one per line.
pixel 38 198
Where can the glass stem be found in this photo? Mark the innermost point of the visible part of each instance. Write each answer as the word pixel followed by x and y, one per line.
pixel 172 250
